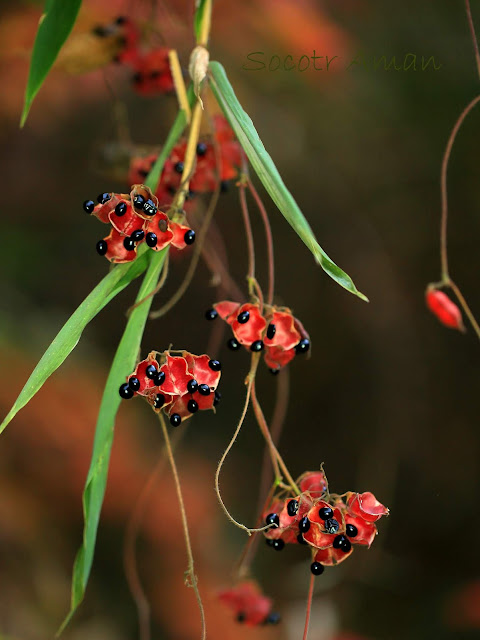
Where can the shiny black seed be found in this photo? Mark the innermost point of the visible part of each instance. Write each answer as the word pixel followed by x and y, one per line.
pixel 211 314
pixel 134 383
pixel 300 539
pixel 316 568
pixel 189 236
pixel 102 247
pixel 138 235
pixel 342 543
pixel 331 525
pixel 215 365
pixel 201 149
pixel 241 617
pixel 243 317
pixel 273 618
pixel 224 186
pixel 218 397
pixel 103 197
pixel 302 347
pixel 274 372
pixel 129 244
pixel 175 420
pixel 278 544
pixel 256 346
pixel 159 401
pixel 151 371
pixel 351 530
pixel 138 201
pixel 204 389
pixel 121 209
pixel 179 167
pixel 159 379
pixel 304 525
pixel 192 406
pixel 192 386
pixel 149 208
pixel 292 507
pixel 88 206
pixel 233 344
pixel 325 513
pixel 273 518
pixel 151 239
pixel 125 392
pixel 271 331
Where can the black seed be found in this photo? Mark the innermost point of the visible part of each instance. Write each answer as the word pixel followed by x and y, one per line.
pixel 134 383
pixel 241 617
pixel 351 530
pixel 192 406
pixel 101 31
pixel 342 543
pixel 201 149
pixel 137 77
pixel 243 317
pixel 149 208
pixel 316 568
pixel 159 379
pixel 274 372
pixel 271 331
pixel 175 420
pixel 273 618
pixel 224 186
pixel 331 525
pixel 278 544
pixel 159 401
pixel 121 209
pixel 233 344
pixel 215 365
pixel 155 74
pixel 325 513
pixel 129 244
pixel 218 397
pixel 88 206
pixel 192 386
pixel 179 167
pixel 256 346
pixel 125 392
pixel 189 236
pixel 300 539
pixel 204 389
pixel 143 172
pixel 102 247
pixel 191 194
pixel 302 347
pixel 151 371
pixel 120 20
pixel 273 518
pixel 211 314
pixel 151 239
pixel 171 190
pixel 304 525
pixel 103 197
pixel 292 507
pixel 138 235
pixel 138 201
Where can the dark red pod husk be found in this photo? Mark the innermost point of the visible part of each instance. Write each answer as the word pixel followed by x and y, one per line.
pixel 247 603
pixel 446 311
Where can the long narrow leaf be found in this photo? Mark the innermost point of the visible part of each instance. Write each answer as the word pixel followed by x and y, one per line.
pixel 69 335
pixel 123 364
pixel 54 28
pixel 268 174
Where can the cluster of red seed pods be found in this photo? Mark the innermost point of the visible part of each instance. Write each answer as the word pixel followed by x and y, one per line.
pixel 275 331
pixel 444 309
pixel 180 384
pixel 249 605
pixel 134 219
pixel 330 524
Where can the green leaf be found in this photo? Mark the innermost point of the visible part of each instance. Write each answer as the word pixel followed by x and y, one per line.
pixel 123 364
pixel 54 28
pixel 268 174
pixel 68 337
pixel 200 6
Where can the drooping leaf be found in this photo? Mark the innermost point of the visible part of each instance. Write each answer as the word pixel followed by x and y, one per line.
pixel 69 335
pixel 123 364
pixel 54 28
pixel 268 174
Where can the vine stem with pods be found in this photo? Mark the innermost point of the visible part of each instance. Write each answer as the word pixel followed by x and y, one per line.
pixel 191 567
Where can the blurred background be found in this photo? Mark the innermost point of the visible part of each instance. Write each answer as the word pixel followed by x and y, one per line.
pixel 389 400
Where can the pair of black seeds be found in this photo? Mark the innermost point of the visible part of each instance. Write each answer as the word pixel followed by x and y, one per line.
pixel 272 618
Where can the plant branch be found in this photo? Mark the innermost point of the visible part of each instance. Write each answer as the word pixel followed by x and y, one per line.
pixel 268 233
pixel 309 606
pixel 473 34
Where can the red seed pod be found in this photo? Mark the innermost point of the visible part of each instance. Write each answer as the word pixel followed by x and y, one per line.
pixel 444 309
pixel 248 604
pixel 366 506
pixel 314 482
pixel 152 74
